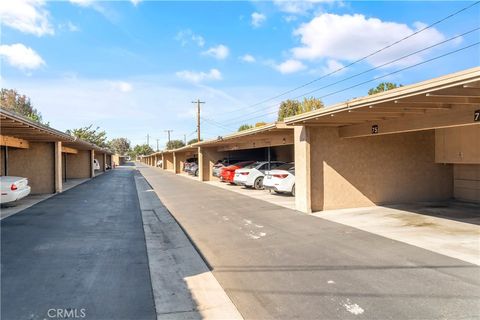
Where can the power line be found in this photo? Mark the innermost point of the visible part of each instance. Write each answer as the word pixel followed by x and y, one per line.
pixel 363 58
pixel 380 77
pixel 231 120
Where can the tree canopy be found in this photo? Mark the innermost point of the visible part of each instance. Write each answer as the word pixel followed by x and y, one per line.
pixel 193 141
pixel 95 136
pixel 244 127
pixel 384 86
pixel 260 124
pixel 11 100
pixel 289 108
pixel 120 146
pixel 175 144
pixel 141 150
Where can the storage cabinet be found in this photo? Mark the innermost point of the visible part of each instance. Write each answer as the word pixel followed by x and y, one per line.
pixel 458 145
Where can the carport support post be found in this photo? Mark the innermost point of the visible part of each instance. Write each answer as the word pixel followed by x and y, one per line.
pixel 58 167
pixel 92 168
pixel 104 162
pixel 206 159
pixel 164 166
pixel 303 200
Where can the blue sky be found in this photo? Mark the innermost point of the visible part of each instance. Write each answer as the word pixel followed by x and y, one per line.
pixel 133 67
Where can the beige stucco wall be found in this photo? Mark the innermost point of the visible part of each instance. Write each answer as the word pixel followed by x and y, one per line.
pixel 458 145
pixel 78 165
pixel 467 182
pixel 2 159
pixel 37 163
pixel 178 161
pixel 168 161
pixel 207 157
pixel 373 170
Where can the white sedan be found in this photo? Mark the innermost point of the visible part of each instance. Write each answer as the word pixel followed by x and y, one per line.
pixel 281 180
pixel 13 188
pixel 252 175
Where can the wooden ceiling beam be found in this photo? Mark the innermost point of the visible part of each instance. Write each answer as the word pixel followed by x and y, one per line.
pixel 13 142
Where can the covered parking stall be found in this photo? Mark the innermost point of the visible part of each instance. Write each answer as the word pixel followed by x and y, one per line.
pixel 270 142
pixel 416 143
pixel 47 157
pixel 181 155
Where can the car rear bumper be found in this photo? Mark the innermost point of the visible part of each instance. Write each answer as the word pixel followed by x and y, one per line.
pixel 14 196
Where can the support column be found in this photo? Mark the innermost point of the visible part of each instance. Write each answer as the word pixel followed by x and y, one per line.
pixel 207 157
pixel 164 165
pixel 104 162
pixel 303 196
pixel 178 160
pixel 58 167
pixel 92 169
pixel 155 159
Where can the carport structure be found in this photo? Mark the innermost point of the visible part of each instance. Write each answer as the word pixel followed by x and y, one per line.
pixel 275 138
pixel 419 142
pixel 47 157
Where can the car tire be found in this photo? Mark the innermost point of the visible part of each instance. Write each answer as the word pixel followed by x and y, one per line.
pixel 258 184
pixel 278 192
pixel 293 191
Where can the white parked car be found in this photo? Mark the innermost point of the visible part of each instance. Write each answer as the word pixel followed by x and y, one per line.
pixel 160 163
pixel 281 180
pixel 96 164
pixel 252 175
pixel 13 188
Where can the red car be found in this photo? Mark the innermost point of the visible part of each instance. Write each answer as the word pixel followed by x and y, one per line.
pixel 229 172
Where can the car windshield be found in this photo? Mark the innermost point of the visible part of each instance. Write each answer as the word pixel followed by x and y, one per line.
pixel 253 165
pixel 286 166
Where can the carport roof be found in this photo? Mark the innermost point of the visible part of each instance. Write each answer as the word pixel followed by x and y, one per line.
pixel 431 98
pixel 276 127
pixel 20 127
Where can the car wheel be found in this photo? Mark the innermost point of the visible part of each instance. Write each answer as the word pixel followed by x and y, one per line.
pixel 293 191
pixel 278 192
pixel 258 184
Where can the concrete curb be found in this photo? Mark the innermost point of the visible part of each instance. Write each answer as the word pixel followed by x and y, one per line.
pixel 183 286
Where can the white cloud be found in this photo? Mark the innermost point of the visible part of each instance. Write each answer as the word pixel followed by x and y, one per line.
pixel 187 35
pixel 83 3
pixel 351 37
pixel 122 86
pixel 258 19
pixel 195 77
pixel 332 66
pixel 71 27
pixel 28 16
pixel 290 66
pixel 135 2
pixel 248 58
pixel 19 56
pixel 298 7
pixel 219 52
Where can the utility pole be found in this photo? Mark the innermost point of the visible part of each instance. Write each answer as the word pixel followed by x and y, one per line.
pixel 168 132
pixel 198 102
pixel 157 145
pixel 185 139
pixel 148 139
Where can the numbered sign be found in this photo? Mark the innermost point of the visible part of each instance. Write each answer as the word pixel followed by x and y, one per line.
pixel 375 129
pixel 476 115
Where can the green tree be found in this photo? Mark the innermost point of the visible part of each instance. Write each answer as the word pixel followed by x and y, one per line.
pixel 382 87
pixel 120 146
pixel 175 144
pixel 193 141
pixel 11 100
pixel 260 124
pixel 289 108
pixel 91 135
pixel 244 127
pixel 141 150
pixel 310 104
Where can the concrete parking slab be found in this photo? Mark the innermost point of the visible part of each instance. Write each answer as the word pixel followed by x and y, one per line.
pixel 276 263
pixel 424 225
pixel 83 249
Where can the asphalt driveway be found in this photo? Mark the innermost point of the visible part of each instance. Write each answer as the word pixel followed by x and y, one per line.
pixel 276 263
pixel 83 249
